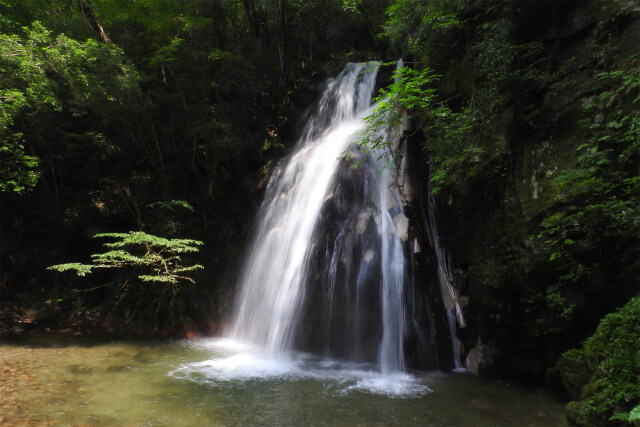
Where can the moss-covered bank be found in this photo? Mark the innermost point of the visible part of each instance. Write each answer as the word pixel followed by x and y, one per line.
pixel 602 376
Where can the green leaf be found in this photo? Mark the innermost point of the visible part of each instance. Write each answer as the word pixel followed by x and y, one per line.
pixel 80 269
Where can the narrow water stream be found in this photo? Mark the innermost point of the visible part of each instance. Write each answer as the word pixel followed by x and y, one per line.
pixel 62 381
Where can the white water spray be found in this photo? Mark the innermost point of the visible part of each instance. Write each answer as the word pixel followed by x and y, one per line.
pixel 369 243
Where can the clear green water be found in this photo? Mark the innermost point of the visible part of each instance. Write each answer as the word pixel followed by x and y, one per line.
pixel 212 382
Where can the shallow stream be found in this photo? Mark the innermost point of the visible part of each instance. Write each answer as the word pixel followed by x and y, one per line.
pixel 47 380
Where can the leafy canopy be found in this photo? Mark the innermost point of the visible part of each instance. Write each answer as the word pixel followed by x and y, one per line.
pixel 40 73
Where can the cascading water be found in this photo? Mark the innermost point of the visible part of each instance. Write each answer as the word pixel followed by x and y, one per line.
pixel 337 295
pixel 327 268
pixel 445 281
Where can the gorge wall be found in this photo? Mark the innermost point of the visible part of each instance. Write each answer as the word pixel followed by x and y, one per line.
pixel 529 71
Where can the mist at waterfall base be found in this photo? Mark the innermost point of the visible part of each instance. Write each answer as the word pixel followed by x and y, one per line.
pixel 323 291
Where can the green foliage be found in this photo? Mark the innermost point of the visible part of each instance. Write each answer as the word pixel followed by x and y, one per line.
pixel 611 357
pixel 411 90
pixel 632 417
pixel 605 180
pixel 446 144
pixel 598 200
pixel 167 24
pixel 499 63
pixel 416 22
pixel 351 5
pixel 80 269
pixel 176 106
pixel 419 25
pixel 459 133
pixel 574 372
pixel 171 204
pixel 39 73
pixel 159 256
pixel 454 155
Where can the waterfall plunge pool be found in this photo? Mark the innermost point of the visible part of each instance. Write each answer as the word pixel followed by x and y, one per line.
pixel 60 380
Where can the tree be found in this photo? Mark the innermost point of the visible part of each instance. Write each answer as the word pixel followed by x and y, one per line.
pixel 159 258
pixel 42 73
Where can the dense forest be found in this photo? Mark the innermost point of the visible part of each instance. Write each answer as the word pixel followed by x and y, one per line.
pixel 137 138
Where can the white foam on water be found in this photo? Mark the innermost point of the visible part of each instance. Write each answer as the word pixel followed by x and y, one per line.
pixel 239 367
pixel 235 361
pixel 394 385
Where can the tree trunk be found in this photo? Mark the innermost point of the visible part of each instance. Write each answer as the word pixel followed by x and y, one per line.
pixel 87 11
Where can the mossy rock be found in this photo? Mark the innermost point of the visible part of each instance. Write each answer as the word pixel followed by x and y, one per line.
pixel 571 373
pixel 605 371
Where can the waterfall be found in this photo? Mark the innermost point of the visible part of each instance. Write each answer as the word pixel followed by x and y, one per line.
pixel 326 270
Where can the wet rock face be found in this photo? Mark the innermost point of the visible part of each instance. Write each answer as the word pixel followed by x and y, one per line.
pixel 341 314
pixel 343 283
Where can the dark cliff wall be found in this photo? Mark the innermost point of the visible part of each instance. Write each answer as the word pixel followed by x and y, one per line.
pixel 533 245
